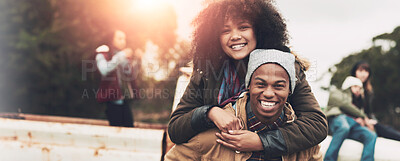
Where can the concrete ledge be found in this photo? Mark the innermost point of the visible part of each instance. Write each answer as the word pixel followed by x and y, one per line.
pixel 75 120
pixel 36 140
pixel 385 149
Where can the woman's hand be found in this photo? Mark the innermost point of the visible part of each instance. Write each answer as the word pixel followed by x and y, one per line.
pixel 224 120
pixel 128 52
pixel 240 140
pixel 369 123
pixel 360 121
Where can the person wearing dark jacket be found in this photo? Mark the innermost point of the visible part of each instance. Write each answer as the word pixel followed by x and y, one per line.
pixel 226 32
pixel 270 79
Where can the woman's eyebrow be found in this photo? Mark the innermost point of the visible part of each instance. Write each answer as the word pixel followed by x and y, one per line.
pixel 243 22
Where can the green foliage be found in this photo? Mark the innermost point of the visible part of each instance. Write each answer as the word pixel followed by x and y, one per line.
pixel 385 74
pixel 44 44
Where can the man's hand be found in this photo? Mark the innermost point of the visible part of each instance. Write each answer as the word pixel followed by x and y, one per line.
pixel 224 120
pixel 240 140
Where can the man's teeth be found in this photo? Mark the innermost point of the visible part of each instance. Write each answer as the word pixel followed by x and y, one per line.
pixel 267 104
pixel 237 46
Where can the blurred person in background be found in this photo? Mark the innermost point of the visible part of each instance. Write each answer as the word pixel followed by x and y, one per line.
pixel 116 65
pixel 347 121
pixel 362 71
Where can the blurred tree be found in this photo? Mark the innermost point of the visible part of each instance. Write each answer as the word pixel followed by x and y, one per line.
pixel 385 74
pixel 46 45
pixel 24 28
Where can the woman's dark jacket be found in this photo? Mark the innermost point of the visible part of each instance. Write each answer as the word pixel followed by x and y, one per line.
pixel 190 117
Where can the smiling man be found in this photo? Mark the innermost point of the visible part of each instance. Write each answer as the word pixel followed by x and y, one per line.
pixel 269 90
pixel 270 79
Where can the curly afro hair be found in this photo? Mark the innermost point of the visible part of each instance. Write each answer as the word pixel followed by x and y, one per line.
pixel 268 25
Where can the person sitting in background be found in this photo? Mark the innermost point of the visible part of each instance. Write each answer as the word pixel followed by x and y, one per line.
pixel 264 106
pixel 362 71
pixel 345 120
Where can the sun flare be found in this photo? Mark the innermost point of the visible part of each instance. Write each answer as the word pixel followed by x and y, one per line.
pixel 148 4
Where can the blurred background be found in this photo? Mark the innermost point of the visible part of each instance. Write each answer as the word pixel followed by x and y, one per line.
pixel 47 51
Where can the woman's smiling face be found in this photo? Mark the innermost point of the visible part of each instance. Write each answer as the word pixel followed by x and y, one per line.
pixel 237 38
pixel 362 74
pixel 269 89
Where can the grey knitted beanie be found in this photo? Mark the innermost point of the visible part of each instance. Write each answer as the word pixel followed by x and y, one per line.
pixel 259 57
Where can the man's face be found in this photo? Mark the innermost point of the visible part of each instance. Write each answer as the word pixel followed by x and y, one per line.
pixel 356 90
pixel 119 40
pixel 269 89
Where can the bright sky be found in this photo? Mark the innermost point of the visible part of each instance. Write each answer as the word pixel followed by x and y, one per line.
pixel 322 31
